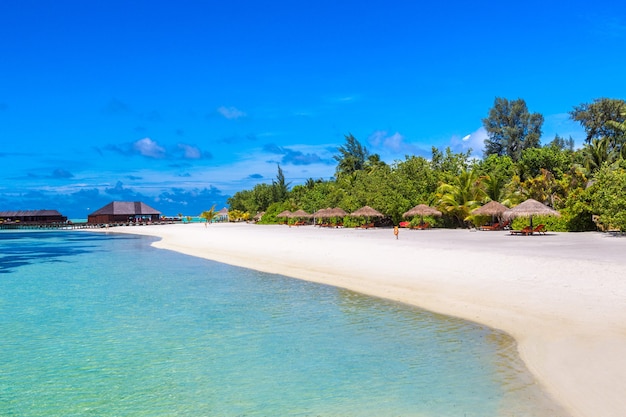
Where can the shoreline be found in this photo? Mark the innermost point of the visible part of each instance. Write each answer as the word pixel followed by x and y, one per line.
pixel 560 296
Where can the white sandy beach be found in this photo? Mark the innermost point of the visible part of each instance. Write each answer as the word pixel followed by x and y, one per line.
pixel 561 296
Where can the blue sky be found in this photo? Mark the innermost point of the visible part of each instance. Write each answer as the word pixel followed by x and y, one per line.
pixel 182 104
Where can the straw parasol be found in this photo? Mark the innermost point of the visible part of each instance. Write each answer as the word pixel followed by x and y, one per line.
pixel 336 212
pixel 366 211
pixel 285 213
pixel 258 216
pixel 492 208
pixel 300 214
pixel 321 213
pixel 422 210
pixel 530 208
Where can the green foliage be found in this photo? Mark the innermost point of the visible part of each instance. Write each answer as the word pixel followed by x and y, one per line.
pixel 496 172
pixel 261 196
pixel 549 158
pixel 238 216
pixel 458 198
pixel 602 119
pixel 275 208
pixel 607 196
pixel 280 188
pixel 208 215
pixel 449 164
pixel 511 128
pixel 457 184
pixel 597 153
pixel 552 223
pixel 352 156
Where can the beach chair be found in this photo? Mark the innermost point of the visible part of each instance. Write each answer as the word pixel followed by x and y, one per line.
pixel 422 226
pixel 525 231
pixel 541 229
pixel 495 226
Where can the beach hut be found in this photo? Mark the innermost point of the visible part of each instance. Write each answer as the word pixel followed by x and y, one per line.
pixel 124 212
pixel 32 216
pixel 222 215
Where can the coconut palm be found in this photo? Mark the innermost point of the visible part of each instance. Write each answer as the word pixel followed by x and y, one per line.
pixel 461 196
pixel 208 215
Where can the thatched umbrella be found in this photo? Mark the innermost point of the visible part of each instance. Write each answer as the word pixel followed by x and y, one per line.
pixel 530 208
pixel 492 208
pixel 258 216
pixel 285 213
pixel 300 214
pixel 321 213
pixel 337 212
pixel 366 211
pixel 422 210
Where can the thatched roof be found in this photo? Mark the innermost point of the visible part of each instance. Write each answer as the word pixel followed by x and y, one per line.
pixel 285 213
pixel 336 212
pixel 322 213
pixel 126 208
pixel 492 208
pixel 30 213
pixel 422 210
pixel 300 214
pixel 366 211
pixel 258 216
pixel 530 208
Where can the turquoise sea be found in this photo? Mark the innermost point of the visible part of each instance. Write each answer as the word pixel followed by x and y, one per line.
pixel 105 325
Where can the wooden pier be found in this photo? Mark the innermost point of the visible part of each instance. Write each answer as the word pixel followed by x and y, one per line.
pixel 41 226
pixel 73 226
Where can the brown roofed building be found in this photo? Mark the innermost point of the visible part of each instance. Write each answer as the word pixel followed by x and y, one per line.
pixel 124 212
pixel 32 216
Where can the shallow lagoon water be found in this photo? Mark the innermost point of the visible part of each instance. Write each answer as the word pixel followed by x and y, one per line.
pixel 106 325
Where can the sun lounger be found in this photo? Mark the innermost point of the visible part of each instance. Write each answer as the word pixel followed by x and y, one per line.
pixel 525 231
pixel 541 229
pixel 495 226
pixel 422 226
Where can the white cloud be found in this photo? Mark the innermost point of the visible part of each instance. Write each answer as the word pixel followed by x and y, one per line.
pixel 396 144
pixel 190 152
pixel 149 148
pixel 474 141
pixel 231 113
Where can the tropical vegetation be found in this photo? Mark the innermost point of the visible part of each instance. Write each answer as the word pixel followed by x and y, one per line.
pixel 587 185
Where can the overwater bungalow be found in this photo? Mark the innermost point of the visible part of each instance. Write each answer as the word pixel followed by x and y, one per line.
pixel 124 212
pixel 32 216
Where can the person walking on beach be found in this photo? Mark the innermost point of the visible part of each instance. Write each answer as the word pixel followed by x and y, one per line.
pixel 396 231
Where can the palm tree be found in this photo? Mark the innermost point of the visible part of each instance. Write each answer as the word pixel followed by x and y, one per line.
pixel 461 196
pixel 596 153
pixel 208 215
pixel 494 187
